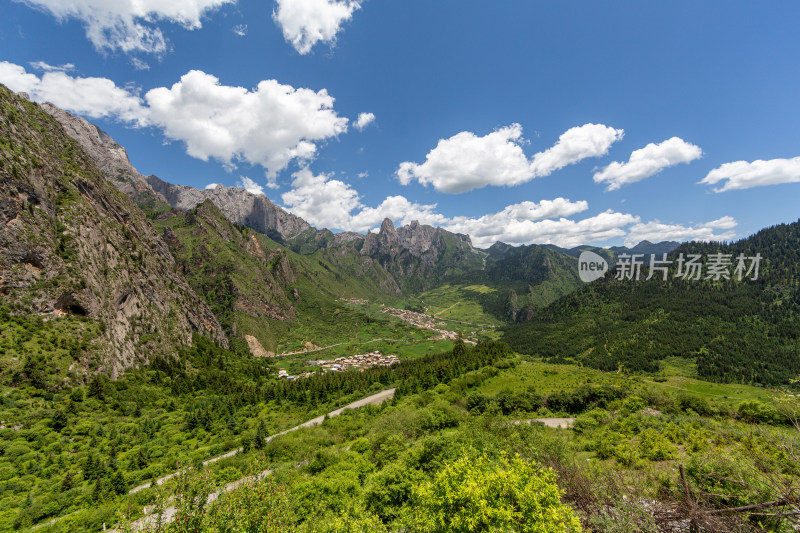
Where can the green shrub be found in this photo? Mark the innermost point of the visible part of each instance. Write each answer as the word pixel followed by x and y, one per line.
pixel 483 494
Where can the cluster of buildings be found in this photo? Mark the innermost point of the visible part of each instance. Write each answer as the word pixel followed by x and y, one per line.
pixel 354 300
pixel 364 360
pixel 342 364
pixel 424 321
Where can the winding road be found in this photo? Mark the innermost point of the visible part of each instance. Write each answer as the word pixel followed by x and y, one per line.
pixel 375 399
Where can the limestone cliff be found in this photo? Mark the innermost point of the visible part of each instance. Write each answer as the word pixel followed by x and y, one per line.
pixel 71 243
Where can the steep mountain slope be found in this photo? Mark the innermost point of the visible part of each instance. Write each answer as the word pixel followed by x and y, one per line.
pixel 745 331
pixel 153 194
pixel 534 277
pixel 417 256
pixel 71 244
pixel 257 287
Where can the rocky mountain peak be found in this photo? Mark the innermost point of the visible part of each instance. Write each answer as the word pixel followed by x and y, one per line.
pixel 255 211
pixel 387 227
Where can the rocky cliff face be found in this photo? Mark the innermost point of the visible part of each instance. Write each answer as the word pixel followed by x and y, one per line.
pixel 110 157
pixel 418 256
pixel 254 211
pixel 239 206
pixel 70 243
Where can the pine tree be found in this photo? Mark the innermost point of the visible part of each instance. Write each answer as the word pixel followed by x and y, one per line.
pixel 96 388
pixel 67 482
pixel 90 467
pixel 118 483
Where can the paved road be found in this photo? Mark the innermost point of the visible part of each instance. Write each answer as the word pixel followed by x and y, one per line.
pixel 169 512
pixel 375 399
pixel 562 423
pixel 301 352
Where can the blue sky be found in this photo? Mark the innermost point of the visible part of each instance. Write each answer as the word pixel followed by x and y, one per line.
pixel 469 98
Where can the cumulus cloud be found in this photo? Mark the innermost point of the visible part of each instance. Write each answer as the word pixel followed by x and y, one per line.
pixel 270 125
pixel 247 184
pixel 307 22
pixel 656 231
pixel 489 229
pixel 240 30
pixel 129 25
pixel 744 175
pixel 322 201
pixel 364 120
pixel 648 161
pixel 331 203
pixel 212 186
pixel 466 161
pixel 574 145
pixel 91 97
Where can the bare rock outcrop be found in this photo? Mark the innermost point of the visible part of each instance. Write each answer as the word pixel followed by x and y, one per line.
pixel 70 243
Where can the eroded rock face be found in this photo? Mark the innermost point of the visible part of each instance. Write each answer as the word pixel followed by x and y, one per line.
pixel 419 254
pixel 254 211
pixel 239 206
pixel 71 243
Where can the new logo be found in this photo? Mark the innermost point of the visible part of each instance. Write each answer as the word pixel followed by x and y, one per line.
pixel 591 266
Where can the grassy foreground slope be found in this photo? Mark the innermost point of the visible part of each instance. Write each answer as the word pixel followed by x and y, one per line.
pixel 441 448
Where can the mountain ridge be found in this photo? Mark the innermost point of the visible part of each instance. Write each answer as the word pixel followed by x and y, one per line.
pixel 73 245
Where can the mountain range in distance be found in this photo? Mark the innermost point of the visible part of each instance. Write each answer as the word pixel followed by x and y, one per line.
pixel 86 235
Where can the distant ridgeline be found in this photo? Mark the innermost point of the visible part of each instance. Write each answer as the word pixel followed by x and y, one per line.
pixel 744 331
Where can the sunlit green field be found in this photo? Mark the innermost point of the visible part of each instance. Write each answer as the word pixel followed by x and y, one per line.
pixel 458 303
pixel 547 378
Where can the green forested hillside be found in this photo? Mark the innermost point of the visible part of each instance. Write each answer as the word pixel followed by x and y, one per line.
pixel 258 287
pixel 744 331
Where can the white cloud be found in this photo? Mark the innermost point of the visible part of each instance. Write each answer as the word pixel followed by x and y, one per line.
pixel 247 184
pixel 333 204
pixel 656 231
pixel 90 97
pixel 502 226
pixel 41 65
pixel 721 223
pixel 240 30
pixel 362 175
pixel 465 161
pixel 306 22
pixel 212 186
pixel 321 201
pixel 138 64
pixel 270 125
pixel 364 120
pixel 399 209
pixel 744 175
pixel 648 161
pixel 129 25
pixel 574 145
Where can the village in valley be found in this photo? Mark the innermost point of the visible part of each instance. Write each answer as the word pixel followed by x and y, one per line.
pixel 343 364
